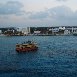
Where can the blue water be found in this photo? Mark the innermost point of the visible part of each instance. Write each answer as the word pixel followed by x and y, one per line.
pixel 56 57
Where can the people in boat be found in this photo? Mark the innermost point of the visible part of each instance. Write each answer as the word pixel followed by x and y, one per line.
pixel 29 42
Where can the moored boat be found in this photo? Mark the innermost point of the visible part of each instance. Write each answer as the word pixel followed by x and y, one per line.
pixel 28 46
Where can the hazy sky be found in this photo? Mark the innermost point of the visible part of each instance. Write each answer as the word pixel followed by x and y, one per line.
pixel 22 13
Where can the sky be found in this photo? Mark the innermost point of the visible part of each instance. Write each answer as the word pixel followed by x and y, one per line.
pixel 27 13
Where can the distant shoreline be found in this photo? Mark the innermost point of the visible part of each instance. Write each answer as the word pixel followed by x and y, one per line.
pixel 40 35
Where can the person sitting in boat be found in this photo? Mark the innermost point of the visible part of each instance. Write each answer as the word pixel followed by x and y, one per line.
pixel 24 42
pixel 29 42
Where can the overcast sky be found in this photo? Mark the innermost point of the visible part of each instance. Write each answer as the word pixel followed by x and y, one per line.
pixel 22 13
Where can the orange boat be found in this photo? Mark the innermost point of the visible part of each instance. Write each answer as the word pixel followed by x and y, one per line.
pixel 28 46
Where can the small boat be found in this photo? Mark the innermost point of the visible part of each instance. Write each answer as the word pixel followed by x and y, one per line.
pixel 28 46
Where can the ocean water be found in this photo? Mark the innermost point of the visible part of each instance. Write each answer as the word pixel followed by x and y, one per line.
pixel 56 57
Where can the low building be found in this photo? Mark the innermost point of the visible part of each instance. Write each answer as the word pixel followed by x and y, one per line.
pixel 0 31
pixel 37 32
pixel 66 32
pixel 61 28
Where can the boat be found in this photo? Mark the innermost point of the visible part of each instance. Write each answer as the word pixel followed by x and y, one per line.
pixel 28 46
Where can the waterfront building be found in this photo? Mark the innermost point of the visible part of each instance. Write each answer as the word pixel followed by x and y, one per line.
pixel 25 30
pixel 66 32
pixel 0 31
pixel 37 32
pixel 59 30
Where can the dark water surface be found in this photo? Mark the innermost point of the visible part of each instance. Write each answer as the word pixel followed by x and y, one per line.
pixel 56 57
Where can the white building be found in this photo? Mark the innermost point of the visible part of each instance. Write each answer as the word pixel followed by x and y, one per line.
pixel 66 32
pixel 61 28
pixel 0 31
pixel 25 31
pixel 37 32
pixel 55 30
pixel 74 29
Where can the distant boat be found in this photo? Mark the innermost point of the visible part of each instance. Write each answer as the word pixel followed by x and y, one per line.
pixel 28 46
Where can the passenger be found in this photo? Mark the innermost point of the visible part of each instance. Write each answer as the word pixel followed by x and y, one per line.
pixel 29 42
pixel 24 42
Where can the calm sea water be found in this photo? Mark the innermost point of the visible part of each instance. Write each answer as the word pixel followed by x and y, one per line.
pixel 56 57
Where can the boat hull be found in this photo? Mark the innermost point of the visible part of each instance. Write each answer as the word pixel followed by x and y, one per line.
pixel 26 49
